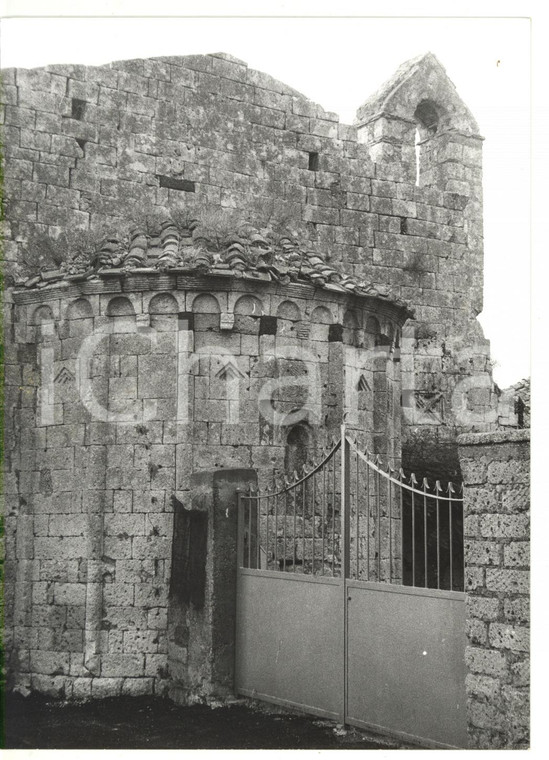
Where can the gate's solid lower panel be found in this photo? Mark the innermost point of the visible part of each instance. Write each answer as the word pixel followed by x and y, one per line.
pixel 406 667
pixel 290 640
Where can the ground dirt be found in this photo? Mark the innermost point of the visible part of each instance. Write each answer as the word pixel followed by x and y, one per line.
pixel 152 723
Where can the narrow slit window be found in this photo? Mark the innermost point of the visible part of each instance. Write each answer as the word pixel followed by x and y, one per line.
pixel 78 109
pixel 173 183
pixel 313 162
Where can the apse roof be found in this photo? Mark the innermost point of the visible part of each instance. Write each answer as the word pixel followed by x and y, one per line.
pixel 191 249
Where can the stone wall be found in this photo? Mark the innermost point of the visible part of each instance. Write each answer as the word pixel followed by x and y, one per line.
pixel 497 562
pixel 101 443
pixel 91 148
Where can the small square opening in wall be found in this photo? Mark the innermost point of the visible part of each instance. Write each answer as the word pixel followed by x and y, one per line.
pixel 78 109
pixel 185 320
pixel 313 162
pixel 175 183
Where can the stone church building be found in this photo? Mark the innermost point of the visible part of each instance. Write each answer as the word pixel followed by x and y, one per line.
pixel 207 272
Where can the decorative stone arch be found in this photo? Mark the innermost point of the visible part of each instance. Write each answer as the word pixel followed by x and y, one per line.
pixel 163 311
pixel 206 303
pixel 44 321
pixel 321 315
pixel 372 331
pixel 288 310
pixel 81 308
pixel 122 314
pixel 120 306
pixel 42 315
pixel 248 306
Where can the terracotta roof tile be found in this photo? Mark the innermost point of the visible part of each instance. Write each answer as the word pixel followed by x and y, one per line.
pixel 246 252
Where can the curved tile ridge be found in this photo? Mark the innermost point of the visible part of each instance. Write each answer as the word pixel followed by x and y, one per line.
pixel 192 248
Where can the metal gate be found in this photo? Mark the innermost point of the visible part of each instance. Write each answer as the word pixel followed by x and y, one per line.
pixel 350 600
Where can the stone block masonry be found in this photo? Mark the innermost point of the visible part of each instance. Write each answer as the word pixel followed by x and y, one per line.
pixel 89 148
pixel 93 603
pixel 497 581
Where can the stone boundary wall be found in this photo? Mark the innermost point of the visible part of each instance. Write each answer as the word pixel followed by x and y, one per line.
pixel 497 543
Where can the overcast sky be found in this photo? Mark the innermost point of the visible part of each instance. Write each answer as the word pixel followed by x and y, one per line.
pixel 338 62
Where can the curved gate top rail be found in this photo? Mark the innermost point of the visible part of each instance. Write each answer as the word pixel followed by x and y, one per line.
pixel 426 490
pixel 349 516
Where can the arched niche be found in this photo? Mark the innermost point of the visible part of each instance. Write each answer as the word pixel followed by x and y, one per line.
pixel 372 332
pixel 163 310
pixel 121 310
pixel 321 316
pixel 297 450
pixel 373 326
pixel 350 320
pixel 120 306
pixel 80 309
pixel 248 306
pixel 79 318
pixel 205 303
pixel 288 310
pixel 44 321
pixel 42 315
pixel 163 303
pixel 206 312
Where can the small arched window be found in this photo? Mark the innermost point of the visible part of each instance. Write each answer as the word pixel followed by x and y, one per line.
pixel 427 118
pixel 298 442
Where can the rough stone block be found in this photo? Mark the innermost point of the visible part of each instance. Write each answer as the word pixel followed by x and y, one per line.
pixel 483 687
pixel 156 665
pixel 137 687
pixel 517 554
pixel 482 553
pixel 483 608
pixel 141 641
pixel 118 595
pixel 517 611
pixel 81 689
pixel 508 581
pixel 504 526
pixel 505 636
pixel 106 687
pixel 508 473
pixel 122 665
pixel 488 661
pixel 477 631
pixel 49 663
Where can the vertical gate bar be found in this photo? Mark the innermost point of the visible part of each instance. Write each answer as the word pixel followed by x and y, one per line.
pixel 390 530
pixel 413 535
pixel 295 525
pixel 357 507
pixel 345 505
pixel 240 529
pixel 345 530
pixel 303 492
pixel 313 525
pixel 451 541
pixel 425 532
pixel 267 497
pixel 378 526
pixel 333 515
pixel 284 529
pixel 438 533
pixel 276 533
pixel 323 515
pixel 367 521
pixel 401 500
pixel 258 533
pixel 249 530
